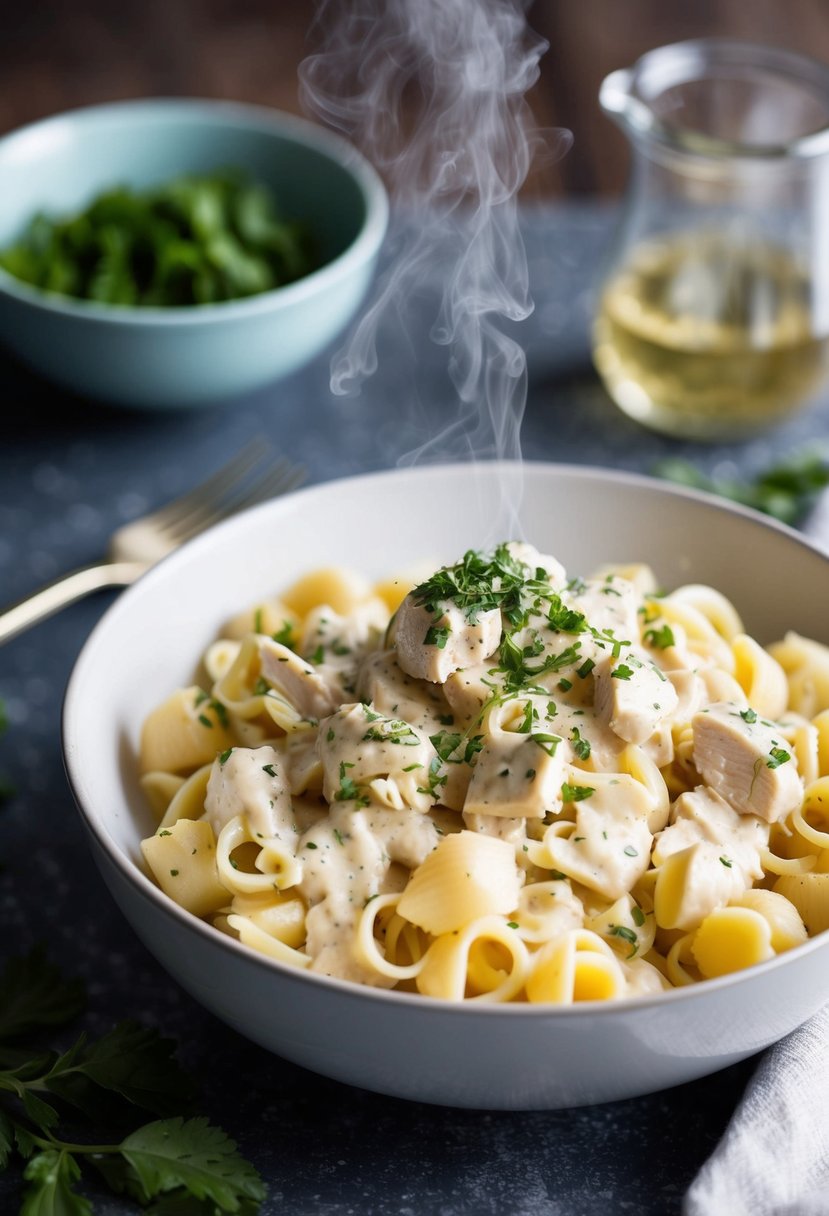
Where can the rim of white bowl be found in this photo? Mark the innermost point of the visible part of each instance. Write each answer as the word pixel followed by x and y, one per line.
pixel 227 114
pixel 346 988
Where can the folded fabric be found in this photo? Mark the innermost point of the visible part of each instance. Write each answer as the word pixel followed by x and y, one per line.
pixel 774 1157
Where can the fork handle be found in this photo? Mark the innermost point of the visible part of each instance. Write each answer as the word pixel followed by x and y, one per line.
pixel 64 591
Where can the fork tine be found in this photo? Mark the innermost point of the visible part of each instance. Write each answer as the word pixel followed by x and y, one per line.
pixel 213 487
pixel 278 480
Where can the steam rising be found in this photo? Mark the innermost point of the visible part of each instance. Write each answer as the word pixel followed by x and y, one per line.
pixel 433 91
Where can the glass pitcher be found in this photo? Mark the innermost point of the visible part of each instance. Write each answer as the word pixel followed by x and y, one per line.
pixel 713 316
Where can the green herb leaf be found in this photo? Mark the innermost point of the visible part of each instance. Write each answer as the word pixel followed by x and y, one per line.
pixel 34 996
pixel 576 793
pixel 786 491
pixel 195 240
pixel 6 1140
pixel 777 756
pixel 445 742
pixel 349 791
pixel 626 935
pixel 580 746
pixel 51 1176
pixel 132 1061
pixel 661 638
pixel 437 635
pixel 192 1154
pixel 285 635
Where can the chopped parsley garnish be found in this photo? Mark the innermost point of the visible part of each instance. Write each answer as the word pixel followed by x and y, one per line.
pixel 630 851
pixel 748 715
pixel 269 769
pixel 225 756
pixel 391 730
pixel 318 656
pixel 661 638
pixel 205 721
pixel 564 684
pixel 622 672
pixel 627 935
pixel 338 836
pixel 638 915
pixel 257 621
pixel 435 781
pixel 220 712
pixel 285 635
pixel 563 619
pixel 576 793
pixel 584 671
pixel 726 862
pixel 445 742
pixel 580 746
pixel 437 635
pixel 349 790
pixel 547 743
pixel 479 583
pixel 473 746
pixel 777 756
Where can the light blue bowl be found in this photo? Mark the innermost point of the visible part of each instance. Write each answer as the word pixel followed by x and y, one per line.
pixel 178 357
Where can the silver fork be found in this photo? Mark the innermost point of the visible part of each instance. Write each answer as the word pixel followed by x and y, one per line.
pixel 249 478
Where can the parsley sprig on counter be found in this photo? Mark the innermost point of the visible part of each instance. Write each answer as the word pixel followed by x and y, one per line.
pixel 195 240
pixel 786 491
pixel 53 1105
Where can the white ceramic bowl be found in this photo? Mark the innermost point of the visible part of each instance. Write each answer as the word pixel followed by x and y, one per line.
pixel 405 1045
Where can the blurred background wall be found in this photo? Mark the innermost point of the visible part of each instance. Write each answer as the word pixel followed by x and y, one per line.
pixel 57 54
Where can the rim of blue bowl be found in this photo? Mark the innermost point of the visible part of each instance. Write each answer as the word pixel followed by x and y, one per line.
pixel 362 248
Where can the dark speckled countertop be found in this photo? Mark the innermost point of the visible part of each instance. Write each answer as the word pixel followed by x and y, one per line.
pixel 70 473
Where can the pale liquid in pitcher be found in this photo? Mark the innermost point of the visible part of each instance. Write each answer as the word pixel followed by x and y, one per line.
pixel 703 336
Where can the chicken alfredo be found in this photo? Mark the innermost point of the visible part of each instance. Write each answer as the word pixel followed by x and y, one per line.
pixel 504 785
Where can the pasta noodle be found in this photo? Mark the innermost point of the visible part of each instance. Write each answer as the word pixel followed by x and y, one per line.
pixel 495 783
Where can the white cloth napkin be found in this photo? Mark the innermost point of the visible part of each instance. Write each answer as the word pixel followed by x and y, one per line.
pixel 774 1157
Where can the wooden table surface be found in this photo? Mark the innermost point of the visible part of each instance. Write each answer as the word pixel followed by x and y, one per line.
pixel 55 55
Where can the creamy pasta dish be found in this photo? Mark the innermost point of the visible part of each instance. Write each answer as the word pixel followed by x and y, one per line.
pixel 498 783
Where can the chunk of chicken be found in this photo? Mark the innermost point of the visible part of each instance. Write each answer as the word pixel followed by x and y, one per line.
pixel 298 681
pixel 517 775
pixel 358 745
pixel 702 815
pixel 398 695
pixel 744 759
pixel 632 697
pixel 554 572
pixel 433 643
pixel 252 781
pixel 610 605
